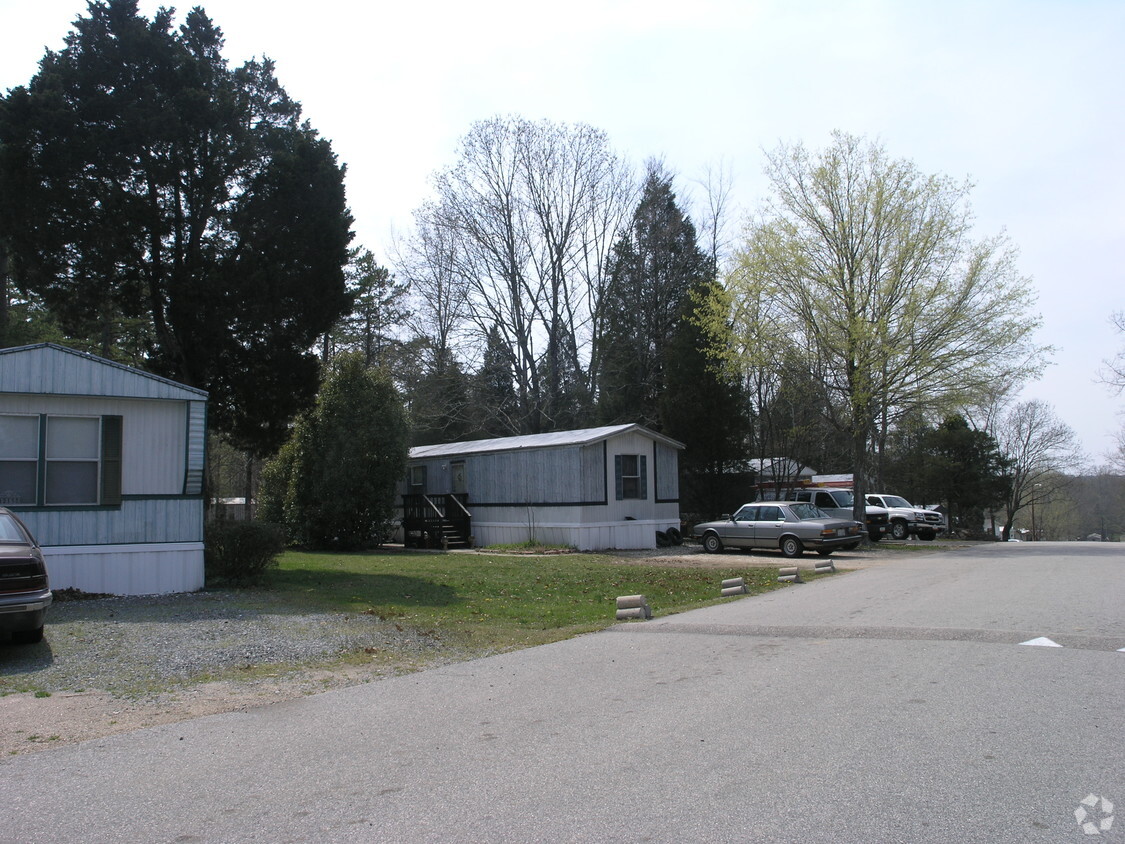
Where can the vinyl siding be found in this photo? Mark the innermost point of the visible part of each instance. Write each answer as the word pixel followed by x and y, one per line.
pixel 48 369
pixel 137 521
pixel 153 439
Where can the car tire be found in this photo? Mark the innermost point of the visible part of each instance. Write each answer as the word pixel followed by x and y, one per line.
pixel 927 535
pixel 874 536
pixel 712 544
pixel 28 637
pixel 791 547
pixel 674 537
pixel 899 530
pixel 824 552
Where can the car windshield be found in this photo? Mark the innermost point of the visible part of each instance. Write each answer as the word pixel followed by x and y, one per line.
pixel 9 530
pixel 896 501
pixel 805 511
pixel 844 498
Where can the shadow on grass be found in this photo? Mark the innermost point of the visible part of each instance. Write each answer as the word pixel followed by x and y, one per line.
pixel 292 592
pixel 346 589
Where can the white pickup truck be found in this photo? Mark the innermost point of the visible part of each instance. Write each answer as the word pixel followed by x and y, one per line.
pixel 906 519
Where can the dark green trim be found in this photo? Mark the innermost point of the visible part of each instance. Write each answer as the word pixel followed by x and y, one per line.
pixel 158 542
pixel 166 496
pixel 41 472
pixel 537 504
pixel 111 461
pixel 28 508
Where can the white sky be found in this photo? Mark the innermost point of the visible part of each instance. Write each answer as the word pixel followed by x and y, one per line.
pixel 1025 97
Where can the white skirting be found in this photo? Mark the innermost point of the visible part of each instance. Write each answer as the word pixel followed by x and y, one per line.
pixel 633 534
pixel 142 569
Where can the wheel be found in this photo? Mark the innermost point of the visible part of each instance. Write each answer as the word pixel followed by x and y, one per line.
pixel 824 552
pixel 674 537
pixel 712 544
pixel 874 535
pixel 28 637
pixel 899 531
pixel 927 535
pixel 791 547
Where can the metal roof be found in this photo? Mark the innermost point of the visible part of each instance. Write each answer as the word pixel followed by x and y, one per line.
pixel 50 369
pixel 556 439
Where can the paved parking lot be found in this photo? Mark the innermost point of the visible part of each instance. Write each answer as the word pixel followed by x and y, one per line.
pixel 907 702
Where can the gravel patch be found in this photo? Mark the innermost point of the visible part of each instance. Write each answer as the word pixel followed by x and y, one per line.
pixel 152 644
pixel 114 664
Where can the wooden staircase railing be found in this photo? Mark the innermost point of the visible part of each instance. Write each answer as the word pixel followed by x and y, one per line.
pixel 436 521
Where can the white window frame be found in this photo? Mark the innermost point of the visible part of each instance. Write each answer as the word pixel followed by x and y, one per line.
pixel 72 459
pixel 631 480
pixel 6 495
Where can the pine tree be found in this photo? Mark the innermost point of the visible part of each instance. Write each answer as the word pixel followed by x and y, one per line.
pixel 654 266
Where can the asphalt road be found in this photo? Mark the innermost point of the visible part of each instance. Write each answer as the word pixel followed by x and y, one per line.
pixel 890 704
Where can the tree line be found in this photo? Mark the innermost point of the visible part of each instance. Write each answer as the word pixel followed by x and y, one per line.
pixel 164 209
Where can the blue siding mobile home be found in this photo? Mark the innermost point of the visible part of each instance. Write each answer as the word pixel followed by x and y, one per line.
pixel 595 488
pixel 105 464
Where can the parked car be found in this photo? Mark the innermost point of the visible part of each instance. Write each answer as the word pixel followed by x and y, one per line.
pixel 906 519
pixel 25 592
pixel 789 526
pixel 838 503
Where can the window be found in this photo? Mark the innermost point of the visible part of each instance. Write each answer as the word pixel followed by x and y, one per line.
pixel 632 481
pixel 19 459
pixel 769 514
pixel 825 501
pixel 60 460
pixel 72 456
pixel 416 479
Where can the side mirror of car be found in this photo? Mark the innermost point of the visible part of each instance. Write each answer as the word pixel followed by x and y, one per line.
pixel 728 517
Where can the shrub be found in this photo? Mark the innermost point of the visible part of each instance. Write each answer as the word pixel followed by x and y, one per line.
pixel 240 553
pixel 333 484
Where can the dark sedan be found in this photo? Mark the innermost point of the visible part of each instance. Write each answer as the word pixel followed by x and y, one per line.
pixel 25 592
pixel 789 526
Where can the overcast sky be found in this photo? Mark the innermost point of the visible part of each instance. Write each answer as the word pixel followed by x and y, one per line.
pixel 1025 98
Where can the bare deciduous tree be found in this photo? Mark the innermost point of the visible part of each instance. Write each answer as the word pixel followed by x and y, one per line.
pixel 1113 372
pixel 1044 454
pixel 521 227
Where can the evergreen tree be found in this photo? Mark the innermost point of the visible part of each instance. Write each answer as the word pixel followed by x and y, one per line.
pixel 965 471
pixel 144 182
pixel 378 310
pixel 333 484
pixel 439 402
pixel 654 265
pixel 703 406
pixel 495 405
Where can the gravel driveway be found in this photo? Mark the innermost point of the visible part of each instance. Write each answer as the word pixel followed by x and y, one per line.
pixel 109 665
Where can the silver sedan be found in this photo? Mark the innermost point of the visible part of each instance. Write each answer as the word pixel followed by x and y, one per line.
pixel 789 526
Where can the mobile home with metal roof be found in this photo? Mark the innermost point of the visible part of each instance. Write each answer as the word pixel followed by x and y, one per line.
pixel 104 463
pixel 591 489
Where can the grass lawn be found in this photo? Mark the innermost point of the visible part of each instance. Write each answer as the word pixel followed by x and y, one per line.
pixel 320 615
pixel 500 600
